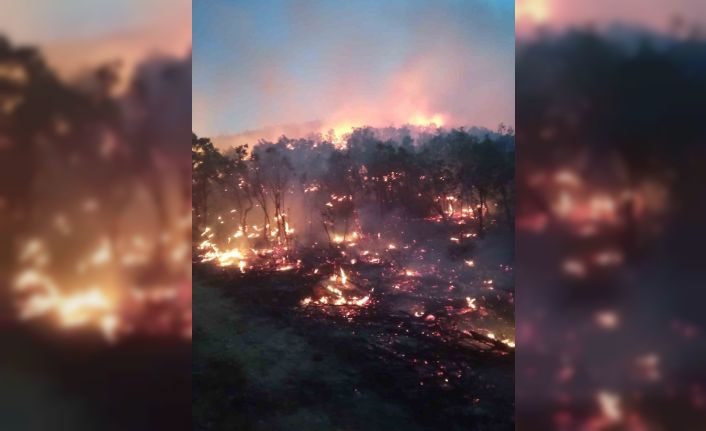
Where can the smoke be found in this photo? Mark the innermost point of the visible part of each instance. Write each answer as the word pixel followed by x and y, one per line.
pixel 609 326
pixel 333 66
pixel 96 169
pixel 655 15
pixel 75 36
pixel 94 214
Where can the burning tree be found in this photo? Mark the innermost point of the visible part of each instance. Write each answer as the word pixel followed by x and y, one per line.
pixel 338 185
pixel 239 182
pixel 438 185
pixel 80 161
pixel 390 259
pixel 449 175
pixel 272 174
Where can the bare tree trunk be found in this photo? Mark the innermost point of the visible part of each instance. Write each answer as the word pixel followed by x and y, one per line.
pixel 262 200
pixel 328 233
pixel 479 211
pixel 506 206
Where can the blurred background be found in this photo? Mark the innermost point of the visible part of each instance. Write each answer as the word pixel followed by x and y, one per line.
pixel 95 222
pixel 610 148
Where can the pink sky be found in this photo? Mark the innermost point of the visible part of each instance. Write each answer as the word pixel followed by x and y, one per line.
pixel 655 14
pixel 75 34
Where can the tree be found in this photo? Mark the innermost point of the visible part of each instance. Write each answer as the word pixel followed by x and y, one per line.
pixel 338 186
pixel 208 167
pixel 239 183
pixel 481 163
pixel 272 173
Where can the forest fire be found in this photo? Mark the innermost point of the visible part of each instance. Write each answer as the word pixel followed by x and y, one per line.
pixel 339 132
pixel 276 257
pixel 385 204
pixel 103 304
pixel 89 307
pixel 95 219
pixel 383 233
pixel 611 205
pixel 338 291
pixel 92 293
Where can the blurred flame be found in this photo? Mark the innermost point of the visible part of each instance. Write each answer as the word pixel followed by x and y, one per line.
pixel 535 11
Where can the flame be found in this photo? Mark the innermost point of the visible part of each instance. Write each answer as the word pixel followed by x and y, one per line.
pixel 340 130
pixel 535 11
pixel 337 293
pixel 471 303
pixel 362 301
pixel 609 403
pixel 99 305
pixel 230 257
pixel 424 120
pixel 78 309
pixel 343 276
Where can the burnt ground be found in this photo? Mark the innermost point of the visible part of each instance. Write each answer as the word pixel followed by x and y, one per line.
pixel 262 361
pixel 76 381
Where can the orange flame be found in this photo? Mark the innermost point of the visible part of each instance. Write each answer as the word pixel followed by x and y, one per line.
pixel 343 276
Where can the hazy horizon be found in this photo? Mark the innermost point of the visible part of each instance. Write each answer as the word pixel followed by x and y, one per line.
pixel 271 63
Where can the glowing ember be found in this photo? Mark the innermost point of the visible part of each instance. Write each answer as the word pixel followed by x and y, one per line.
pixel 508 343
pixel 338 292
pixel 574 268
pixel 607 319
pixel 343 276
pixel 609 403
pixel 90 297
pixel 91 307
pixel 471 303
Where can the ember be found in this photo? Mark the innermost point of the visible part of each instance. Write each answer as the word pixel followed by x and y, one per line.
pixel 384 222
pixel 405 265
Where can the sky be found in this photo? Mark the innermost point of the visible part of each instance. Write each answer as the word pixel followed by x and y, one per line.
pixel 652 14
pixel 78 34
pixel 336 63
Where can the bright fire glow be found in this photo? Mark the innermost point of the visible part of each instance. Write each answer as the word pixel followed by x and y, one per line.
pixel 341 129
pixel 343 276
pixel 338 292
pixel 424 120
pixel 536 11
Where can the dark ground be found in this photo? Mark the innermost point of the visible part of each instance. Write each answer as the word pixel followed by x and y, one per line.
pixel 264 362
pixel 77 381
